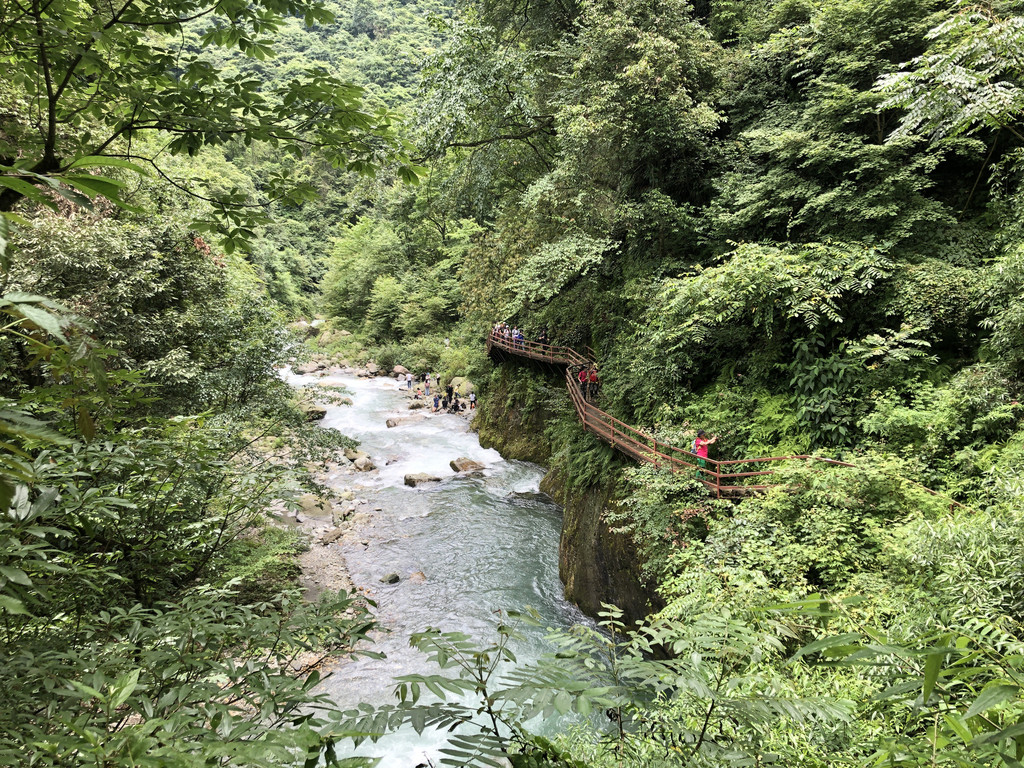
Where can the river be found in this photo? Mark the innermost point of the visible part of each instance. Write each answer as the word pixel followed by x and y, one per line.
pixel 464 548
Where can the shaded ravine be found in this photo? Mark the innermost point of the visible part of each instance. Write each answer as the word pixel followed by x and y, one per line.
pixel 464 548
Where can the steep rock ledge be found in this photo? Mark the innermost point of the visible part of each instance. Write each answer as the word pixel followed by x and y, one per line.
pixel 511 417
pixel 596 565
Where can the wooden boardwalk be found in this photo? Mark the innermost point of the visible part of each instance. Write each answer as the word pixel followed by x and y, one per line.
pixel 723 478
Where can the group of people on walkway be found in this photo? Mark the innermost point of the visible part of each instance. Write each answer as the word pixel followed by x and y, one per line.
pixel 590 385
pixel 589 382
pixel 513 336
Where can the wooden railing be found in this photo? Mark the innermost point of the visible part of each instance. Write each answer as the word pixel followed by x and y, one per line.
pixel 724 478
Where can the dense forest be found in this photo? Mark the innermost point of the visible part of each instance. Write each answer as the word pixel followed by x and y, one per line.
pixel 795 224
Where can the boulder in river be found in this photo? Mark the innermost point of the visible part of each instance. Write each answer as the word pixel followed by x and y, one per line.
pixel 306 368
pixel 462 464
pixel 315 506
pixel 354 455
pixel 390 578
pixel 400 370
pixel 328 337
pixel 332 536
pixel 303 328
pixel 396 421
pixel 364 464
pixel 314 412
pixel 419 478
pixel 415 405
pixel 372 368
pixel 463 386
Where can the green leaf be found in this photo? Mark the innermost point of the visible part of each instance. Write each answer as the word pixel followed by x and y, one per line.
pixel 124 688
pixel 991 697
pixel 836 642
pixel 932 668
pixel 12 605
pixel 15 575
pixel 108 162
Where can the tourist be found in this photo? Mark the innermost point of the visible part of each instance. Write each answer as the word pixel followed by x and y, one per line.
pixel 437 401
pixel 700 447
pixel 584 378
pixel 594 382
pixel 472 401
pixel 408 381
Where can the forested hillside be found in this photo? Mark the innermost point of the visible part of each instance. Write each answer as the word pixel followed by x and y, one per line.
pixel 791 224
pixel 795 224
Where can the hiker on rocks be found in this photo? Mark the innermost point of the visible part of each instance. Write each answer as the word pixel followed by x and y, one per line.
pixel 472 401
pixel 584 379
pixel 437 401
pixel 450 391
pixel 426 383
pixel 408 381
pixel 594 382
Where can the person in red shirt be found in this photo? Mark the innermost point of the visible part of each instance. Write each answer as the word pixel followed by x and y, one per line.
pixel 594 381
pixel 700 447
pixel 584 377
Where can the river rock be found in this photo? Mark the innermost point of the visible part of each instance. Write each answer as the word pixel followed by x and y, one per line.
pixel 415 405
pixel 332 536
pixel 329 337
pixel 391 578
pixel 306 368
pixel 396 421
pixel 463 386
pixel 314 412
pixel 419 478
pixel 315 506
pixel 364 464
pixel 372 368
pixel 400 370
pixel 303 328
pixel 354 455
pixel 462 464
pixel 418 577
pixel 346 496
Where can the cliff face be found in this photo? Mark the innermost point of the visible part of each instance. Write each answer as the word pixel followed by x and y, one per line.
pixel 512 416
pixel 596 565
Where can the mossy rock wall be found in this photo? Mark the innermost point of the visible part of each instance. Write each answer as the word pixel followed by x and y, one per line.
pixel 512 415
pixel 596 565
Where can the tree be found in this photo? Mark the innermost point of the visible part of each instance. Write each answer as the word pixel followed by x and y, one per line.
pixel 88 81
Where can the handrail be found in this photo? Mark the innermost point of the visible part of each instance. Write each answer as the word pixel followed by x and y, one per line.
pixel 645 447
